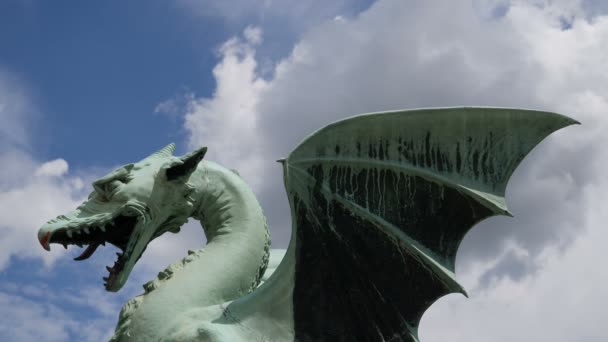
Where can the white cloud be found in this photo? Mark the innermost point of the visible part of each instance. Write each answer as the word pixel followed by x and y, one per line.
pixel 529 275
pixel 376 62
pixel 24 208
pixel 253 35
pixel 173 107
pixel 283 21
pixel 31 192
pixel 29 321
pixel 564 302
pixel 53 168
pixel 217 122
pixel 26 319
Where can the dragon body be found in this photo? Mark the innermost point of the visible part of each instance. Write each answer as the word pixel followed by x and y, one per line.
pixel 380 203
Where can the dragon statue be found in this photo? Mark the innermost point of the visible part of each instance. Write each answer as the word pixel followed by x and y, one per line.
pixel 379 203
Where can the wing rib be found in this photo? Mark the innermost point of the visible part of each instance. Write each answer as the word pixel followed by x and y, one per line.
pixel 404 241
pixel 496 204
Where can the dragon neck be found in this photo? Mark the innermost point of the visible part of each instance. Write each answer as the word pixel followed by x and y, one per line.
pixel 238 242
pixel 228 267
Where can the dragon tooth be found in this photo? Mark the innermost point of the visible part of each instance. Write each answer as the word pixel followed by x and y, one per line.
pixel 102 228
pixel 110 269
pixel 69 232
pixel 65 245
pixel 86 230
pixel 78 244
pixel 103 243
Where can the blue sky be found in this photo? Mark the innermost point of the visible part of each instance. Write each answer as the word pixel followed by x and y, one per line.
pixel 87 86
pixel 99 68
pixel 103 66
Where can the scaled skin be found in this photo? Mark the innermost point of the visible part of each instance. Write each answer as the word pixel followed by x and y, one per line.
pixel 380 203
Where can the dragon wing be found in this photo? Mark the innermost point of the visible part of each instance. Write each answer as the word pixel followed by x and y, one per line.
pixel 380 203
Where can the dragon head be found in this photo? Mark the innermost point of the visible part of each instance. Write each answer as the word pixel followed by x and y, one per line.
pixel 128 208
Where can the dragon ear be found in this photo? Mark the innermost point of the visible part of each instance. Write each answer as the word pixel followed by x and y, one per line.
pixel 186 164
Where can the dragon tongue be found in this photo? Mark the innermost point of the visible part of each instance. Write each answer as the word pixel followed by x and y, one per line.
pixel 88 252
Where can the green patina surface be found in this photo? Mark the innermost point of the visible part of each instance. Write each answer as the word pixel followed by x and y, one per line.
pixel 394 190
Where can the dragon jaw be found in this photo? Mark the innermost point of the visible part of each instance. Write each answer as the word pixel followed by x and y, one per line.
pixel 129 208
pixel 129 233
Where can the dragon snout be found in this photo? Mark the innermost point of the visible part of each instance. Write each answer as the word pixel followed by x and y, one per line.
pixel 48 229
pixel 44 236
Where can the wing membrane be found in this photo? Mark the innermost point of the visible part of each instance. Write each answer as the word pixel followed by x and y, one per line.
pixel 381 203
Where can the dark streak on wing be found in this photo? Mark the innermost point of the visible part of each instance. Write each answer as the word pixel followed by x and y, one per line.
pixel 357 266
pixel 381 203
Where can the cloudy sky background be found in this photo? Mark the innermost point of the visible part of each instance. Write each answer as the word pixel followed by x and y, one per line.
pixel 88 87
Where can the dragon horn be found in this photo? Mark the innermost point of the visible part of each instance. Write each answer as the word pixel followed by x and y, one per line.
pixel 165 152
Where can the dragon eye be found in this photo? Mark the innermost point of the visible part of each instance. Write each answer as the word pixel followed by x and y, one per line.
pixel 113 186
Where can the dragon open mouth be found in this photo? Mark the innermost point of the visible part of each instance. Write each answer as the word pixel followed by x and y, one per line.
pixel 124 209
pixel 116 230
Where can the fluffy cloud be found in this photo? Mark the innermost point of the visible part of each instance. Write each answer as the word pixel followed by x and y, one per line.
pixel 25 182
pixel 50 197
pixel 546 55
pixel 53 168
pixel 564 302
pixel 217 122
pixel 283 21
pixel 376 62
pixel 30 315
